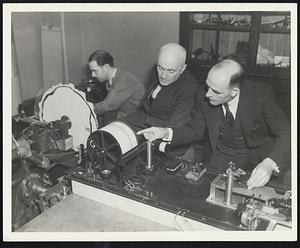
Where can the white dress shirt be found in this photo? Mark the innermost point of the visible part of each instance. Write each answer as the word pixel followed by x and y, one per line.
pixel 233 105
pixel 156 91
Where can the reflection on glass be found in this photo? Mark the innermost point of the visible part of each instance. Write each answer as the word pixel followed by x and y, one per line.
pixel 274 50
pixel 234 45
pixel 276 22
pixel 204 43
pixel 204 18
pixel 237 21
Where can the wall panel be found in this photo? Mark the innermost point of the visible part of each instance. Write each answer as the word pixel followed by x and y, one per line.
pixel 133 38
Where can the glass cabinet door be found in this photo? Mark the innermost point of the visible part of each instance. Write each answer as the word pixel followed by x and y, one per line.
pixel 210 19
pixel 234 36
pixel 203 34
pixel 260 41
pixel 204 45
pixel 274 46
pixel 234 45
pixel 216 36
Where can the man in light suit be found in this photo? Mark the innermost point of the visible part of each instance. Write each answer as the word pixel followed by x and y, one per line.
pixel 244 123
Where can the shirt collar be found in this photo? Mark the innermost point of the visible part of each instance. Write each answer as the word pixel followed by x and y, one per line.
pixel 110 81
pixel 235 100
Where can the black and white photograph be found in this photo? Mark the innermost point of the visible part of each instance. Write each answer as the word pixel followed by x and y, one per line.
pixel 150 122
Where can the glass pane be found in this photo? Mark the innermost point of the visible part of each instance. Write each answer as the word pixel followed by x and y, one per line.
pixel 203 45
pixel 234 45
pixel 276 22
pixel 237 21
pixel 274 50
pixel 204 18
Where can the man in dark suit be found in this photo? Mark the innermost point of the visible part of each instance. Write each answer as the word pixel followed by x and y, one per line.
pixel 170 96
pixel 244 123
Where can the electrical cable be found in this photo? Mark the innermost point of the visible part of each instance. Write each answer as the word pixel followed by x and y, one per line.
pixel 16 143
pixel 187 222
pixel 176 223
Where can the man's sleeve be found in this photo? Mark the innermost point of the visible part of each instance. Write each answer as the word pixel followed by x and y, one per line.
pixel 194 129
pixel 280 127
pixel 121 91
pixel 184 105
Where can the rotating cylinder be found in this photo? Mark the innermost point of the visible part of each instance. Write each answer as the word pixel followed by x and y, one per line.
pixel 107 145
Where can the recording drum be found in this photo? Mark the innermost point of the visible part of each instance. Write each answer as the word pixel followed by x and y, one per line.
pixel 107 145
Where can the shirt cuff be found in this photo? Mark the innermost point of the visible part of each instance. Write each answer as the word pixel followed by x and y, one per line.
pixel 170 135
pixel 274 165
pixel 162 146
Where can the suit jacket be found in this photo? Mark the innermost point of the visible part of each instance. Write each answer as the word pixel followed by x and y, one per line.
pixel 124 95
pixel 172 106
pixel 262 121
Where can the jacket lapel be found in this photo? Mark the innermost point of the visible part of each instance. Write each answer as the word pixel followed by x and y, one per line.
pixel 246 109
pixel 148 95
pixel 213 121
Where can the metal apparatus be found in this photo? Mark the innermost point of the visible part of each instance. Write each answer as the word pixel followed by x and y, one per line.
pixel 175 186
pixel 65 121
pixel 36 187
pixel 47 136
pixel 257 209
pixel 230 172
pixel 271 215
pixel 226 190
pixel 114 145
pixel 220 191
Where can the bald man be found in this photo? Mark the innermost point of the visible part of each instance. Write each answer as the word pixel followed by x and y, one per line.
pixel 244 123
pixel 170 96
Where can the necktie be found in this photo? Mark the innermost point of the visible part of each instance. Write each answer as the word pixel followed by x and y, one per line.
pixel 228 116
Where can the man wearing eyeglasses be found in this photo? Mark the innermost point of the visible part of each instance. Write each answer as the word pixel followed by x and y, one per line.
pixel 244 123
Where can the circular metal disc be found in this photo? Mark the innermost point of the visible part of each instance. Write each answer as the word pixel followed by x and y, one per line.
pixel 64 100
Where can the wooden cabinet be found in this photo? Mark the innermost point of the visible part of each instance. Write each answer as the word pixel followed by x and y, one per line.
pixel 260 41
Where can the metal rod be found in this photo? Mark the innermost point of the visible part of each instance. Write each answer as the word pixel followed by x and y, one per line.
pixel 149 156
pixel 202 173
pixel 229 187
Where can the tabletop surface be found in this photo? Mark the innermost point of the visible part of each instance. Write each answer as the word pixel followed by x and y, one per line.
pixel 79 214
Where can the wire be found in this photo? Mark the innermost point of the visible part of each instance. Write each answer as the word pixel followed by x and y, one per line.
pixel 55 143
pixel 16 143
pixel 176 223
pixel 189 224
pixel 180 213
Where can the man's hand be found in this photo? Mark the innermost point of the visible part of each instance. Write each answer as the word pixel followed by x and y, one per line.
pixel 261 173
pixel 154 133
